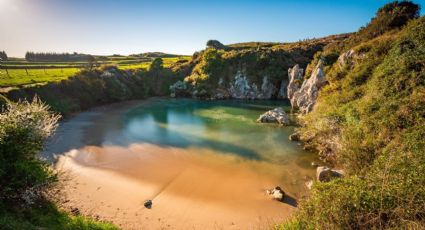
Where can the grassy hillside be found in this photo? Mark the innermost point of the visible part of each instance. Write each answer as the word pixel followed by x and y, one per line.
pixel 103 85
pixel 370 120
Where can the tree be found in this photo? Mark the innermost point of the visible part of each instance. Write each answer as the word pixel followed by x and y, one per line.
pixel 91 62
pixel 3 56
pixel 157 64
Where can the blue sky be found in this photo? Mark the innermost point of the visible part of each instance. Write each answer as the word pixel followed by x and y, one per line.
pixel 173 26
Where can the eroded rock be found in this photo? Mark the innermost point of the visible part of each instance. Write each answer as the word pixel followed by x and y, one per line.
pixel 179 88
pixel 276 115
pixel 305 98
pixel 295 76
pixel 294 137
pixel 241 89
pixel 277 193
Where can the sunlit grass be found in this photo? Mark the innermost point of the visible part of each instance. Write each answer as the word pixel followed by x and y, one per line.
pixel 35 73
pixel 16 77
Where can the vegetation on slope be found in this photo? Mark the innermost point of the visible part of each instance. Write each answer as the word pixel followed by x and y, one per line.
pixel 370 119
pixel 254 60
pixel 24 179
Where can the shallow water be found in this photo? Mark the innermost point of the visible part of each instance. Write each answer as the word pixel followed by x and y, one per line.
pixel 223 127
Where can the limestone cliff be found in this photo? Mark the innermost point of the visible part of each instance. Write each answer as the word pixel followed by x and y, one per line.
pixel 305 97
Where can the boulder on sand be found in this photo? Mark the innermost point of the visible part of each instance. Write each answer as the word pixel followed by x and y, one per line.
pixel 148 204
pixel 277 193
pixel 275 115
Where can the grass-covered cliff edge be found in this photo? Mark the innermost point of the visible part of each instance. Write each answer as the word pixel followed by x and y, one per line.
pixel 370 120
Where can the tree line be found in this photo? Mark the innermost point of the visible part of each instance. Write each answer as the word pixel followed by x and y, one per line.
pixel 3 56
pixel 32 56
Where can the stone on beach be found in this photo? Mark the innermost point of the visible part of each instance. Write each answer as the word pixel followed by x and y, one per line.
pixel 148 204
pixel 277 193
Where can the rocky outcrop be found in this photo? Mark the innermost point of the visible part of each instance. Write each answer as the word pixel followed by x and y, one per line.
pixel 241 88
pixel 345 58
pixel 283 94
pixel 325 174
pixel 267 89
pixel 276 115
pixel 295 76
pixel 305 97
pixel 178 88
pixel 215 44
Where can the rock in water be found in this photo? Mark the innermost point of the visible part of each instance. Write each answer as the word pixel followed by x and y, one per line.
pixel 274 115
pixel 325 174
pixel 294 137
pixel 148 204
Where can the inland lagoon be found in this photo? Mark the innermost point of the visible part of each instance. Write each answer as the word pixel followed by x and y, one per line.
pixel 202 163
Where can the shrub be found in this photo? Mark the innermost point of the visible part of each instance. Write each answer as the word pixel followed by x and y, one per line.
pixel 23 129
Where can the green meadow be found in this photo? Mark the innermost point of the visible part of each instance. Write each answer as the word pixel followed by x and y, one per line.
pixel 19 72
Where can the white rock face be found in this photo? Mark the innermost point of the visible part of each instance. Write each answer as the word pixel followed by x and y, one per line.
pixel 283 94
pixel 306 96
pixel 178 87
pixel 241 88
pixel 295 75
pixel 267 89
pixel 276 115
pixel 345 58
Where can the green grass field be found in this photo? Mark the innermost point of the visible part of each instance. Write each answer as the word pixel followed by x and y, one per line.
pixel 18 77
pixel 24 72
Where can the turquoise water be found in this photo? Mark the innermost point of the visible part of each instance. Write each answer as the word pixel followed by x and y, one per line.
pixel 226 127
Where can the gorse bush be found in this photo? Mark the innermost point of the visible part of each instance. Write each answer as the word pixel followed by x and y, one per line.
pixel 392 16
pixel 24 179
pixel 23 129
